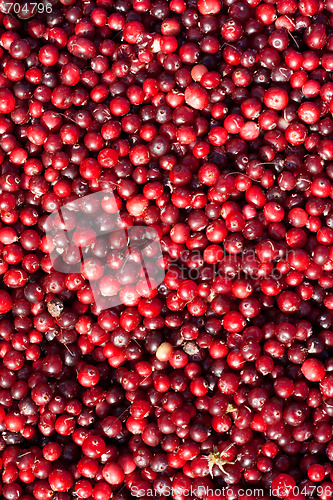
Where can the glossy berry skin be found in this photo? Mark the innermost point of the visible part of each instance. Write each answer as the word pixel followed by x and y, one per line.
pixel 60 480
pixel 113 473
pixel 88 376
pixel 313 370
pixel 7 101
pixel 282 483
pixel 196 96
pixel 316 472
pixel 276 99
pixel 5 301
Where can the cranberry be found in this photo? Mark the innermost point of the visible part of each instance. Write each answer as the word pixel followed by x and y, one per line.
pixel 5 302
pixel 113 473
pixel 7 101
pixel 276 98
pixel 60 480
pixel 313 370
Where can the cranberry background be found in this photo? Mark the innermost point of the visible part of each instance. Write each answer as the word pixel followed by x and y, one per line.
pixel 211 123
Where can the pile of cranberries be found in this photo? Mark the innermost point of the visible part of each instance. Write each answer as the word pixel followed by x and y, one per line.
pixel 208 125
